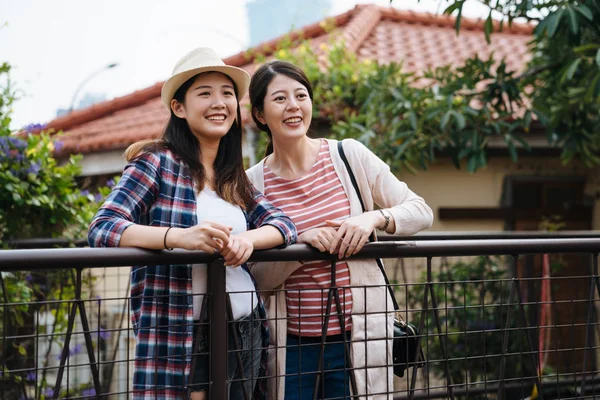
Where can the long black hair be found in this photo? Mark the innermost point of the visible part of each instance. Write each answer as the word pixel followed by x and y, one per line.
pixel 231 182
pixel 258 89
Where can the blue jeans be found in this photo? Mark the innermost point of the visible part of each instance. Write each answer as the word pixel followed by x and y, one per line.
pixel 301 366
pixel 250 334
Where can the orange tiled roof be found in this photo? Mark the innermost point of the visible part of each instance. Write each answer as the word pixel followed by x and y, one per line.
pixel 419 40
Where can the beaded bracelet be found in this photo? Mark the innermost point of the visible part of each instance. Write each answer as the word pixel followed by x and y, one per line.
pixel 165 239
pixel 387 220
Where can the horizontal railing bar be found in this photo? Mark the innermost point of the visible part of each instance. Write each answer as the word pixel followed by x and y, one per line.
pixel 46 243
pixel 109 257
pixel 476 235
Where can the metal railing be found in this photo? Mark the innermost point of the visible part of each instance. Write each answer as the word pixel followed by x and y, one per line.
pixel 449 309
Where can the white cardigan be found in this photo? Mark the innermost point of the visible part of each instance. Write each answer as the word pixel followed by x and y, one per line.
pixel 371 316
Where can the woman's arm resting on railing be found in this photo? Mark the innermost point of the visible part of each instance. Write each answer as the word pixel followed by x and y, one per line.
pixel 409 212
pixel 207 236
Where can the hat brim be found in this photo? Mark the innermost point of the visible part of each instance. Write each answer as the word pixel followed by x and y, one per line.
pixel 239 76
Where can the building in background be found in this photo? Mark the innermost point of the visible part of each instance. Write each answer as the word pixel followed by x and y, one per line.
pixel 271 18
pixel 88 99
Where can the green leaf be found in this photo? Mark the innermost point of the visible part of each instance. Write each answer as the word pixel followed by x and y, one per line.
pixel 401 148
pixel 488 28
pixel 568 75
pixel 413 120
pixel 585 11
pixel 553 24
pixel 460 120
pixel 482 158
pixel 523 142
pixel 542 26
pixel 458 18
pixel 445 120
pixel 452 7
pixel 586 47
pixel 573 22
pixel 472 163
pixel 527 119
pixel 589 94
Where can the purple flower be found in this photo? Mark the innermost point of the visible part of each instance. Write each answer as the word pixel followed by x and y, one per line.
pixel 14 155
pixel 33 169
pixel 11 142
pixel 31 376
pixel 88 392
pixel 85 192
pixel 28 277
pixel 76 349
pixel 48 392
pixel 110 183
pixel 58 146
pixel 97 197
pixel 104 334
pixel 72 351
pixel 17 143
pixel 34 127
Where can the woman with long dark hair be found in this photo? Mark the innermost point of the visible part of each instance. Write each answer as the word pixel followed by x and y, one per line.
pixel 188 190
pixel 308 179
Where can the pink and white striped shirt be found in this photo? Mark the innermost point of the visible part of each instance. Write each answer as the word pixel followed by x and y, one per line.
pixel 309 201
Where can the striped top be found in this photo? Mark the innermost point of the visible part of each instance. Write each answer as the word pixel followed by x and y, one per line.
pixel 309 201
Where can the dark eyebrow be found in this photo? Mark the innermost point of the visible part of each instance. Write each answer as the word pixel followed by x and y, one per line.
pixel 210 87
pixel 281 90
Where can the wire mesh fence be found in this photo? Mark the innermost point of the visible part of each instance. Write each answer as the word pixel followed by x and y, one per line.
pixel 496 319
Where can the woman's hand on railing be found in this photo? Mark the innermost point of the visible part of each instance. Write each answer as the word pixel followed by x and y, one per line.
pixel 352 233
pixel 210 237
pixel 237 251
pixel 319 238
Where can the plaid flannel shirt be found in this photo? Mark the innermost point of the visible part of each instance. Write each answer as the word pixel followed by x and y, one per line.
pixel 157 189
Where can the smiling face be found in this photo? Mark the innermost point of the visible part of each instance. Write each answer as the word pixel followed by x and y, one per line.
pixel 209 106
pixel 287 108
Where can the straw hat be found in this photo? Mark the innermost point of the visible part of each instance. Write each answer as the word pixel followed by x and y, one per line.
pixel 200 60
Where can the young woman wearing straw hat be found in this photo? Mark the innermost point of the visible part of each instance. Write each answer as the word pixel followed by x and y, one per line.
pixel 188 190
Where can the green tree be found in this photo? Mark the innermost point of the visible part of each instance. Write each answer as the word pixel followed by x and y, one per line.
pixel 564 74
pixel 39 199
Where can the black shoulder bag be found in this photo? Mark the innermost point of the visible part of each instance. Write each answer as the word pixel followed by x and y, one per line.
pixel 406 351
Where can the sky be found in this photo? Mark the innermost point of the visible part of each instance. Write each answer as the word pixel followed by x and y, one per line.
pixel 53 46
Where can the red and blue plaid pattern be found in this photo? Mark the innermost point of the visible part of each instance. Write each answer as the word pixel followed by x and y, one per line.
pixel 157 189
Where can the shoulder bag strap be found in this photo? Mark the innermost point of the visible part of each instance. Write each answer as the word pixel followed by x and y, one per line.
pixel 362 205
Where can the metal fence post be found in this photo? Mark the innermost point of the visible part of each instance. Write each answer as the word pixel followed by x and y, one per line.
pixel 218 330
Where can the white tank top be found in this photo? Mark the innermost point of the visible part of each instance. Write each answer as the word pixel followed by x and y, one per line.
pixel 212 208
